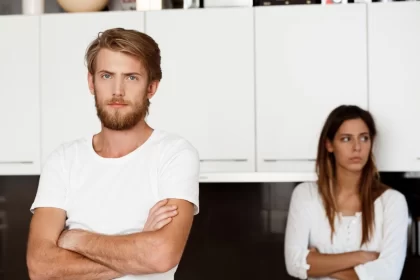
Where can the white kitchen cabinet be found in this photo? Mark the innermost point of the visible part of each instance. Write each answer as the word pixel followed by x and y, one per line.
pixel 68 108
pixel 207 91
pixel 19 79
pixel 394 83
pixel 309 59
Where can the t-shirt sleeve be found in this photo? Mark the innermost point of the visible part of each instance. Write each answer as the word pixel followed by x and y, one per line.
pixel 179 173
pixel 52 186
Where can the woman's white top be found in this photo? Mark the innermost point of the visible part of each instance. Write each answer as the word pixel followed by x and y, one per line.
pixel 307 226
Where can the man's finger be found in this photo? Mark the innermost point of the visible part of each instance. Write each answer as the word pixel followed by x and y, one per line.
pixel 158 205
pixel 166 215
pixel 163 223
pixel 163 209
pixel 155 219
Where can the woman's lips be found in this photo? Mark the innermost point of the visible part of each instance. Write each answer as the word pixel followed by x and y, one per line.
pixel 355 159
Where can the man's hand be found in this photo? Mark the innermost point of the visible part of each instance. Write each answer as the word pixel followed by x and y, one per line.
pixel 153 251
pixel 160 215
pixel 46 260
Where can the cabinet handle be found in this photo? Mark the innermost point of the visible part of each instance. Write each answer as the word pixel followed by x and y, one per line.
pixel 224 160
pixel 288 159
pixel 16 162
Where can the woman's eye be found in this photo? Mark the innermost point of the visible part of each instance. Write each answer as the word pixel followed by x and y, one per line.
pixel 365 138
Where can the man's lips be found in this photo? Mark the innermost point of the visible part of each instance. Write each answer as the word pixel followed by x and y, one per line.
pixel 117 104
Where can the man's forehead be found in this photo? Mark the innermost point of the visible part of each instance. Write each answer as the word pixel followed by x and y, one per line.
pixel 116 61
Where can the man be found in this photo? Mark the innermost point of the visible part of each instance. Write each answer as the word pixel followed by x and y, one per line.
pixel 118 204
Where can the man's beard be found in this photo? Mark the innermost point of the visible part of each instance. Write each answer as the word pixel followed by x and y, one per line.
pixel 116 119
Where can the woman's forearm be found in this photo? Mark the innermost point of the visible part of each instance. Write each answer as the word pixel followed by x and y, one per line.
pixel 322 265
pixel 348 274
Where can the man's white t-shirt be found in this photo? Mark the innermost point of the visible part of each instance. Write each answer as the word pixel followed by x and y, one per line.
pixel 114 195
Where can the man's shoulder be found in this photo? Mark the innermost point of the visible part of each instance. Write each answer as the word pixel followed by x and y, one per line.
pixel 173 145
pixel 169 141
pixel 70 148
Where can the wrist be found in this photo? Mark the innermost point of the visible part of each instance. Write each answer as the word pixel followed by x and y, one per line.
pixel 78 239
pixel 358 258
pixel 72 240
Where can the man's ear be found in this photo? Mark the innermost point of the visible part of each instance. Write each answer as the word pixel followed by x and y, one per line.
pixel 152 88
pixel 91 83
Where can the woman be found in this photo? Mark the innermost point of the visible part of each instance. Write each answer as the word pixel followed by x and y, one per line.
pixel 347 225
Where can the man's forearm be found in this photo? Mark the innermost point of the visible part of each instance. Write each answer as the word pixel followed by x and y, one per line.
pixel 136 254
pixel 51 262
pixel 322 265
pixel 348 274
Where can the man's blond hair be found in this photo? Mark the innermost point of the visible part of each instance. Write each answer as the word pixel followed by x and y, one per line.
pixel 131 42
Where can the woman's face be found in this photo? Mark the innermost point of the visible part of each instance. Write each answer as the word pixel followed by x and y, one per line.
pixel 351 145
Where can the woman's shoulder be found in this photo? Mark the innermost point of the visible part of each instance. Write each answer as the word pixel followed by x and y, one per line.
pixel 393 197
pixel 393 203
pixel 306 191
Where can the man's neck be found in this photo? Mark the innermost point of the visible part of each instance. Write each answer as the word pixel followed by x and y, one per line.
pixel 113 144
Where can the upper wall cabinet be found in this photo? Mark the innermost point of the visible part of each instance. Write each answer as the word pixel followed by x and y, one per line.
pixel 309 59
pixel 394 93
pixel 19 79
pixel 68 108
pixel 207 91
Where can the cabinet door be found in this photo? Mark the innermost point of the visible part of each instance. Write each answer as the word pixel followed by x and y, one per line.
pixel 207 91
pixel 68 108
pixel 19 78
pixel 394 83
pixel 309 59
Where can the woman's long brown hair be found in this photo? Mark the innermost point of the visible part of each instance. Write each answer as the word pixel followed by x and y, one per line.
pixel 370 185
